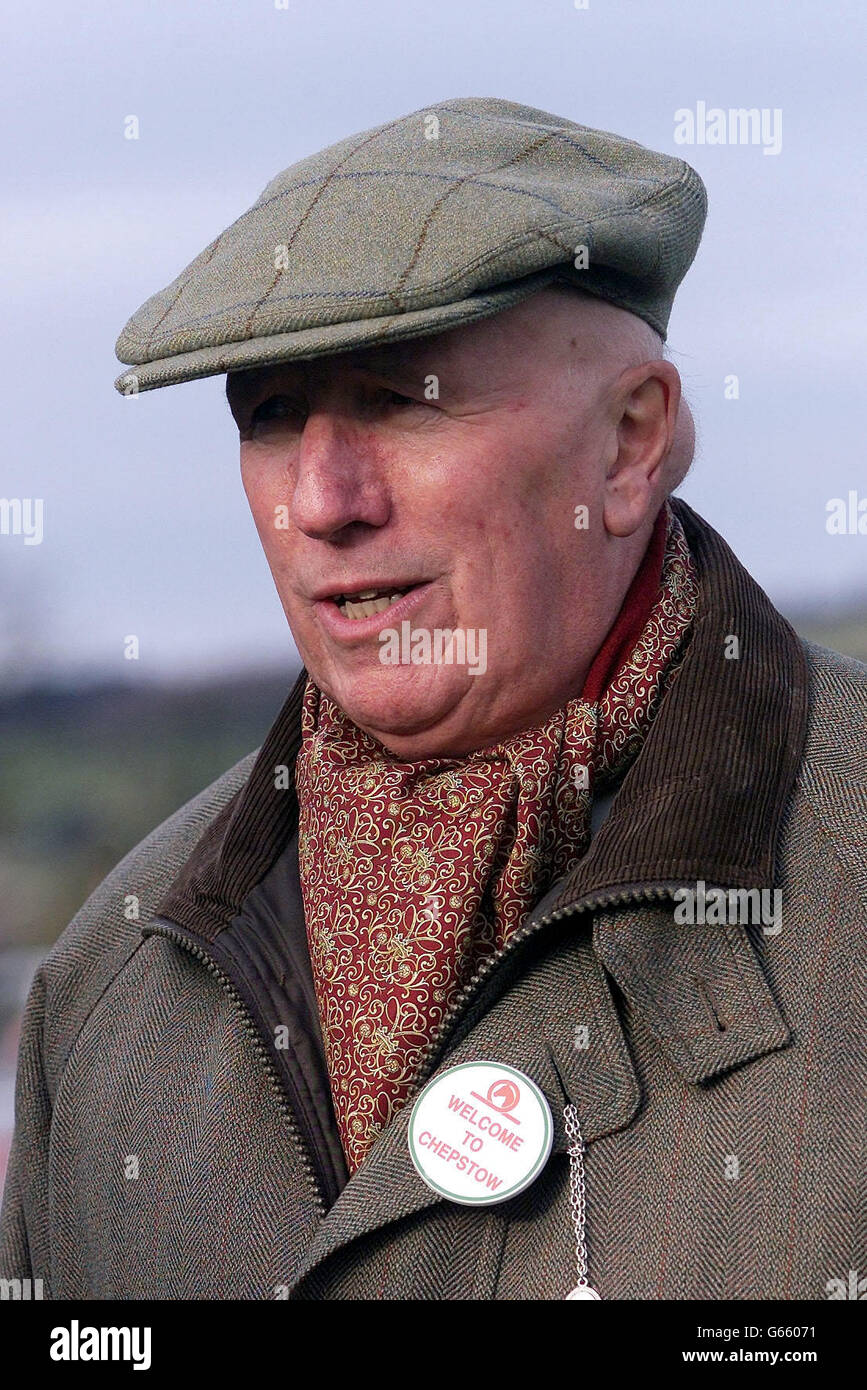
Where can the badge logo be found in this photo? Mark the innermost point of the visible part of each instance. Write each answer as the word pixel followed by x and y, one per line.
pixel 480 1133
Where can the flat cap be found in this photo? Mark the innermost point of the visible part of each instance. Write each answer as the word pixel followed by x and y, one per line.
pixel 437 219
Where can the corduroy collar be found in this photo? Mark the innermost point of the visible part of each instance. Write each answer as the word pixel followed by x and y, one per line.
pixel 703 800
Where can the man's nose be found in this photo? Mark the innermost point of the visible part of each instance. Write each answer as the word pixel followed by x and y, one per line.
pixel 339 478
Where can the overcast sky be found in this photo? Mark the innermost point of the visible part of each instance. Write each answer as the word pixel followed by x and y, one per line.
pixel 145 526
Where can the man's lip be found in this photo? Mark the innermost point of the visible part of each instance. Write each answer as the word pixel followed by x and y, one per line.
pixel 359 586
pixel 362 629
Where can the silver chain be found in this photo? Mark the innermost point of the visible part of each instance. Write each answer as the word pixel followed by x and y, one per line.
pixel 577 1198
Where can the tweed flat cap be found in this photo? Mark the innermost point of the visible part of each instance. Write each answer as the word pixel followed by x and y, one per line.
pixel 436 219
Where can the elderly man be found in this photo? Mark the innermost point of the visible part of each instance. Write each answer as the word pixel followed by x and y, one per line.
pixel 525 959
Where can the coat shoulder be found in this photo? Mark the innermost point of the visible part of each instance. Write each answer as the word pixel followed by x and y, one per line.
pixel 833 774
pixel 838 711
pixel 106 931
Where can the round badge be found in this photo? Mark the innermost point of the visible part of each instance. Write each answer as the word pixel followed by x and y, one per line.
pixel 480 1132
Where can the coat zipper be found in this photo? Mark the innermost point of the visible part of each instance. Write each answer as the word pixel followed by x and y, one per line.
pixel 255 1037
pixel 654 892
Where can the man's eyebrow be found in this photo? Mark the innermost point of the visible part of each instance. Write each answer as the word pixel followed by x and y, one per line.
pixel 407 371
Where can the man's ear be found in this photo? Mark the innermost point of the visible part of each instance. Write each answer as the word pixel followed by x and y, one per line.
pixel 644 407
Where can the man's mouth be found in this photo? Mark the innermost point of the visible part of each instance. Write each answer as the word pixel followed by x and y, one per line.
pixel 368 602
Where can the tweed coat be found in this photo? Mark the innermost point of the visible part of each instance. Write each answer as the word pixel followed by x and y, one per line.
pixel 166 1148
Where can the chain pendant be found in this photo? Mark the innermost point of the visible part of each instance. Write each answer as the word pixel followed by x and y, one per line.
pixel 577 1203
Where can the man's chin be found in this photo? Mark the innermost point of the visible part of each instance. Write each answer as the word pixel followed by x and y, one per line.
pixel 402 707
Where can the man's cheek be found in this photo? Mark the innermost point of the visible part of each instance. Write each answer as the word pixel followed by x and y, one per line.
pixel 272 521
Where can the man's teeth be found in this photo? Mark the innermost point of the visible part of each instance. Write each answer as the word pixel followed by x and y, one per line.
pixel 366 604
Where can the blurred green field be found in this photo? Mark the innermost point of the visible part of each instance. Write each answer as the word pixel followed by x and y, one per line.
pixel 84 774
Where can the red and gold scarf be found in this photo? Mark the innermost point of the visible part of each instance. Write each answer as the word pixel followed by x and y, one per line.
pixel 413 872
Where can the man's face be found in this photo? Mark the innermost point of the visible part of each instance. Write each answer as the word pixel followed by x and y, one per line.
pixel 445 473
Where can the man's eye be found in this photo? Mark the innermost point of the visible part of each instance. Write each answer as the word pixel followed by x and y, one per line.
pixel 396 398
pixel 275 408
